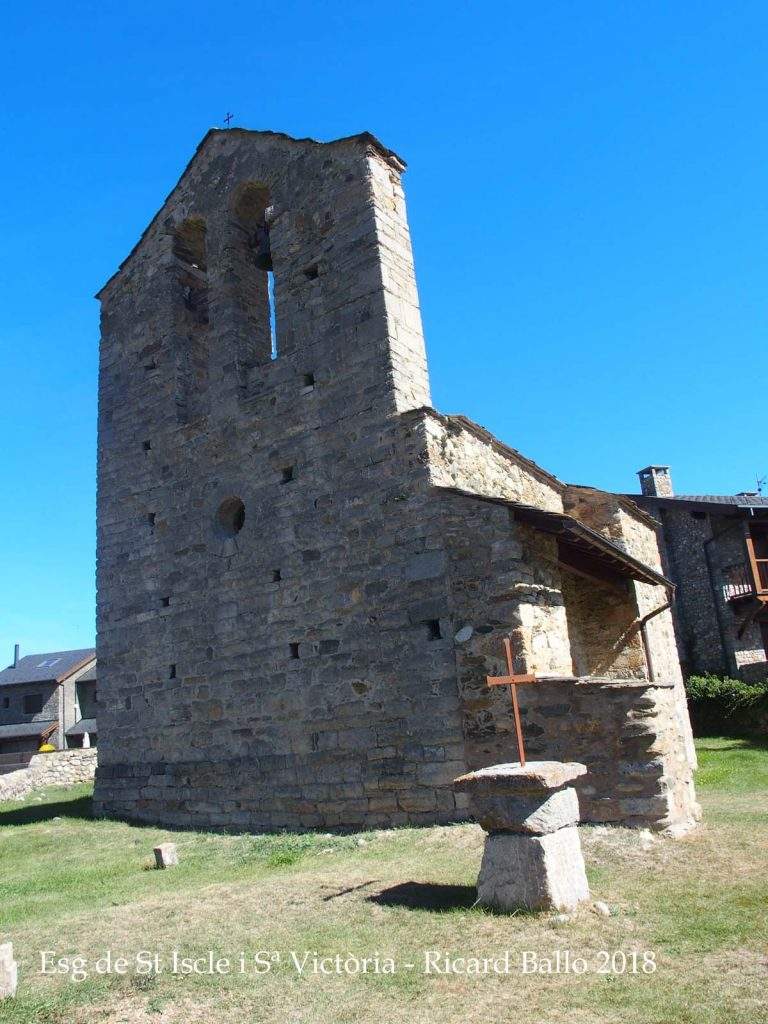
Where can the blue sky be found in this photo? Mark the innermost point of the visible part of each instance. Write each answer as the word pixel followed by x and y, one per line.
pixel 588 205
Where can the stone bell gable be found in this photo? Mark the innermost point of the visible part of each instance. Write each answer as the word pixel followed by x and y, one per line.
pixel 304 571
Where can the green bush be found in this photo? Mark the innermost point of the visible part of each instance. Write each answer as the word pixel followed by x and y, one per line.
pixel 727 707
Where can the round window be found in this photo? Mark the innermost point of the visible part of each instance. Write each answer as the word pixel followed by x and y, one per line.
pixel 231 516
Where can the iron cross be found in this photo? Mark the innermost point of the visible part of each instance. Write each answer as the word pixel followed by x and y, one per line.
pixel 512 681
pixel 228 118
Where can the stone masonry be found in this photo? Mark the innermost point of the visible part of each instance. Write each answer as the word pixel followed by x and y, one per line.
pixel 305 571
pixel 58 768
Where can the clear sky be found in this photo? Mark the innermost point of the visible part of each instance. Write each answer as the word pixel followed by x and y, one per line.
pixel 588 197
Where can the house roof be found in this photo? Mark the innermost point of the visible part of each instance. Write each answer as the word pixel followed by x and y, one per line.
pixel 83 726
pixel 53 667
pixel 741 501
pixel 581 548
pixel 89 676
pixel 12 732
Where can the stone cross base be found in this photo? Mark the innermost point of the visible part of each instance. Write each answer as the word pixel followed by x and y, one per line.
pixel 532 855
pixel 9 974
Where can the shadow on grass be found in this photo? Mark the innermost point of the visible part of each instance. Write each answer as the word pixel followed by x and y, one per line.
pixel 427 896
pixel 715 744
pixel 79 807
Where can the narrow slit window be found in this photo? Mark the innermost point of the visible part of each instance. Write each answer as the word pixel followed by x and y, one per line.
pixel 294 649
pixel 171 671
pixel 165 602
pixel 272 316
pixel 286 475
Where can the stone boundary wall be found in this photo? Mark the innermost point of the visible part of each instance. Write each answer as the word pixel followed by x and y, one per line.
pixel 58 768
pixel 627 734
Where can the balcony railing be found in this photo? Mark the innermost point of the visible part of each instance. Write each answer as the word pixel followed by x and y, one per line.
pixel 738 583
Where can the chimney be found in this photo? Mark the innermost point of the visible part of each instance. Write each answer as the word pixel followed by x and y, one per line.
pixel 15 655
pixel 655 482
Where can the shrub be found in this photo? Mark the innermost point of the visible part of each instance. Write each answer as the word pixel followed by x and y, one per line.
pixel 727 707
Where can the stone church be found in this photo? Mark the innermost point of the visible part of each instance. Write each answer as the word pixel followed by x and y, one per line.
pixel 305 572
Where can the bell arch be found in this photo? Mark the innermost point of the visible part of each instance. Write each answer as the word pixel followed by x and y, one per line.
pixel 252 264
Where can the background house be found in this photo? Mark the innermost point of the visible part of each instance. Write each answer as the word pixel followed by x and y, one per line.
pixel 46 698
pixel 715 549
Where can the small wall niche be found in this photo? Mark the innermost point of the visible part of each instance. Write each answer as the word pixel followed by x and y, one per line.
pixel 312 272
pixel 146 446
pixel 165 602
pixel 276 575
pixel 230 516
pixel 294 650
pixel 307 383
pixel 172 671
pixel 432 627
pixel 286 474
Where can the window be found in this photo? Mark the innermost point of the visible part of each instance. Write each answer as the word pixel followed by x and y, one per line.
pixel 286 475
pixel 252 258
pixel 6 702
pixel 33 703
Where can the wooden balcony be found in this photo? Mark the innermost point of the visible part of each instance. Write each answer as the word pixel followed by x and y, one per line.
pixel 739 583
pixel 745 581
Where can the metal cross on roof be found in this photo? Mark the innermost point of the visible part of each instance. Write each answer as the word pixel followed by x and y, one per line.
pixel 511 680
pixel 228 118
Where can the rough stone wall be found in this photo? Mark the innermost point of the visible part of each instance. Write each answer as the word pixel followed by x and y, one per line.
pixel 61 768
pixel 627 733
pixel 603 627
pixel 462 455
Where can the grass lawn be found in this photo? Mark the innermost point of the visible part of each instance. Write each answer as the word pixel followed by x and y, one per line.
pixel 698 906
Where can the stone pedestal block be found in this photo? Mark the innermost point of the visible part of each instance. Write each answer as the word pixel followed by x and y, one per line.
pixel 532 854
pixel 9 973
pixel 544 872
pixel 166 855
